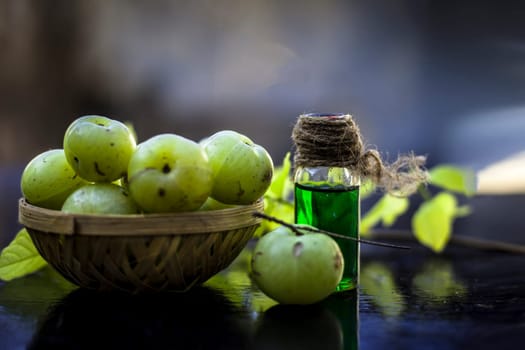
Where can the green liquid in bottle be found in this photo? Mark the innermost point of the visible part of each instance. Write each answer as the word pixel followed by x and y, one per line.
pixel 334 209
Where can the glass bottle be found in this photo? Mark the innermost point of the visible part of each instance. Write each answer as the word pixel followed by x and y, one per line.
pixel 328 198
pixel 326 188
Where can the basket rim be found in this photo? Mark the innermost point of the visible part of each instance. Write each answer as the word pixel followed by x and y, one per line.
pixel 194 222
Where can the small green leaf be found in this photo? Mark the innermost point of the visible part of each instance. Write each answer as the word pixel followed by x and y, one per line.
pixel 432 221
pixel 454 179
pixel 387 210
pixel 283 210
pixel 20 257
pixel 281 185
pixel 278 200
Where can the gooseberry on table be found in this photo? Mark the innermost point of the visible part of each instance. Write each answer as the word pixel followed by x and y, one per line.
pixel 294 268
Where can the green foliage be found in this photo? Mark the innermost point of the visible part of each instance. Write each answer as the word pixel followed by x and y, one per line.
pixel 278 200
pixel 432 221
pixel 386 210
pixel 454 179
pixel 20 257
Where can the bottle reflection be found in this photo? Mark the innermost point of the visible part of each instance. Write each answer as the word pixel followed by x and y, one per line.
pixel 329 325
pixel 345 307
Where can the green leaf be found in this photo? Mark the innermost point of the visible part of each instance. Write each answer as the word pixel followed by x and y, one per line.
pixel 277 200
pixel 454 179
pixel 20 257
pixel 432 221
pixel 283 210
pixel 387 210
pixel 281 185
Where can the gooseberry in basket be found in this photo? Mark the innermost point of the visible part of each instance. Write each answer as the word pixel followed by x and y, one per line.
pixel 213 204
pixel 48 179
pixel 242 169
pixel 169 173
pixel 100 198
pixel 99 148
pixel 296 268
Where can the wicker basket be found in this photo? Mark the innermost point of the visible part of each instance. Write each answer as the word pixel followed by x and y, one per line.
pixel 140 253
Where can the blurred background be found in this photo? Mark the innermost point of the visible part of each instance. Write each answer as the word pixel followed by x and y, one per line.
pixel 441 78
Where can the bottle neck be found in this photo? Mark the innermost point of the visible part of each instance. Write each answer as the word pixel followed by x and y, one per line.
pixel 326 176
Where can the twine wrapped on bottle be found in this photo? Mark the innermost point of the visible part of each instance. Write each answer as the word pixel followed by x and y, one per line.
pixel 334 140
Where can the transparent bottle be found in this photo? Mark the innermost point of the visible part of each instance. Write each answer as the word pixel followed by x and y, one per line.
pixel 328 198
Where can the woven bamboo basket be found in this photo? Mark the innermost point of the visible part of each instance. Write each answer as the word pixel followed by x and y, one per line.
pixel 140 253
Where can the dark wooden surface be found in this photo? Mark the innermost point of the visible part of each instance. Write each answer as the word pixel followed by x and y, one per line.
pixel 463 298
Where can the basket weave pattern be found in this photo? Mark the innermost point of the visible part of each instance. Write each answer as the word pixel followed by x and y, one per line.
pixel 164 252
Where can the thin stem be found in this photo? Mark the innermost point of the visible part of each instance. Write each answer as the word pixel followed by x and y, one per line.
pixel 296 230
pixel 258 214
pixel 466 241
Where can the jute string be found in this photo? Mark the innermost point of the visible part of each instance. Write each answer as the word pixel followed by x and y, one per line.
pixel 335 141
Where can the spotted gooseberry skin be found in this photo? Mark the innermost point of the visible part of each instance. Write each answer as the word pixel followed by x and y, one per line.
pixel 169 173
pixel 297 269
pixel 48 179
pixel 100 198
pixel 242 169
pixel 98 148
